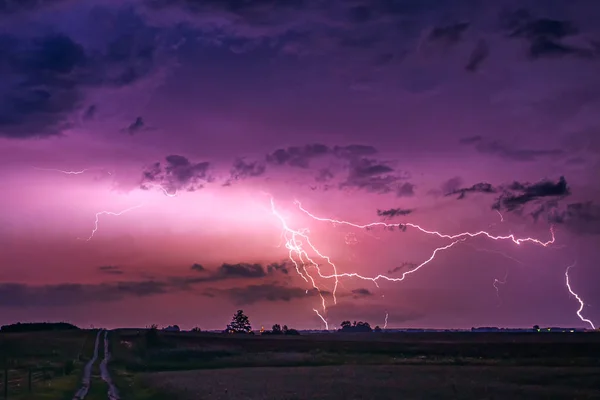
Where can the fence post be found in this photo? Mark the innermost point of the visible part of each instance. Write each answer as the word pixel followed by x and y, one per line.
pixel 29 380
pixel 5 383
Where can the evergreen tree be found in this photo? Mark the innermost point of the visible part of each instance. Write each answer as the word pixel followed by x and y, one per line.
pixel 240 323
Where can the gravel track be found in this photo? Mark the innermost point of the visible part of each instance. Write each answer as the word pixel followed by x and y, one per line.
pixel 87 372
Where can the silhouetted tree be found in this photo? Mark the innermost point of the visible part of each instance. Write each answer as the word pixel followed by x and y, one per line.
pixel 536 327
pixel 196 330
pixel 277 329
pixel 239 323
pixel 291 332
pixel 152 338
pixel 377 329
pixel 285 329
pixel 359 326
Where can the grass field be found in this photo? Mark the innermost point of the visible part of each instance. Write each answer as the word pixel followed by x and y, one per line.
pixel 55 359
pixel 181 366
pixel 353 366
pixel 381 382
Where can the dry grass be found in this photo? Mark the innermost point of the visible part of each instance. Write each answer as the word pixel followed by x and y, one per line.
pixel 349 382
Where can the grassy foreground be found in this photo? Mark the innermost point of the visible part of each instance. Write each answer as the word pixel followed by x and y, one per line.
pixel 442 365
pixel 182 366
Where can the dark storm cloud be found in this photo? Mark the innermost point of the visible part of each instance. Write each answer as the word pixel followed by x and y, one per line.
pixel 9 7
pixel 514 196
pixel 23 295
pixel 297 156
pixel 403 266
pixel 508 152
pixel 354 150
pixel 243 169
pixel 197 267
pixel 452 185
pixel 543 35
pixel 361 292
pixel 111 269
pixel 482 187
pixel 282 267
pixel 394 212
pixel 42 84
pixel 449 34
pixel 376 177
pixel 271 292
pixel 518 194
pixel 241 270
pixel 364 173
pixel 581 218
pixel 136 126
pixel 478 56
pixel 240 7
pixel 226 271
pixel 178 173
pixel 46 78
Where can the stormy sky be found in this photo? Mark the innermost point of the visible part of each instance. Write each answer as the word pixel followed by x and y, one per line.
pixel 160 161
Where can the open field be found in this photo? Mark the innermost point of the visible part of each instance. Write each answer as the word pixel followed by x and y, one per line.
pixel 53 359
pixel 351 382
pixel 181 366
pixel 332 366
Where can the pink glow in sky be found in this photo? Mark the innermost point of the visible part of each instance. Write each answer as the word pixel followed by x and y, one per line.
pixel 490 125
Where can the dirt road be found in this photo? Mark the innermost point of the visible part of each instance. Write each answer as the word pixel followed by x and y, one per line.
pixel 87 372
pixel 113 393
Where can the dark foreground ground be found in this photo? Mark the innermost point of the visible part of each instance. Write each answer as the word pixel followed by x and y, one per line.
pixel 350 382
pixel 182 366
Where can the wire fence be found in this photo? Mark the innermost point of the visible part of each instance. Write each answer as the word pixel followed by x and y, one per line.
pixel 19 381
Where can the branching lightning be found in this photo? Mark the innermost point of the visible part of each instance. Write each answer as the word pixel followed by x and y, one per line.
pixel 441 235
pixel 98 214
pixel 581 303
pixel 299 244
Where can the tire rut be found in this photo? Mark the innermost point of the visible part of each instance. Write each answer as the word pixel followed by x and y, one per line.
pixel 87 372
pixel 113 393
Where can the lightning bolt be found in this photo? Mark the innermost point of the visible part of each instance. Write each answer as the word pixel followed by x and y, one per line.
pixel 299 244
pixel 581 303
pixel 163 189
pixel 322 319
pixel 62 171
pixel 501 216
pixel 441 235
pixel 98 214
pixel 386 320
pixel 501 282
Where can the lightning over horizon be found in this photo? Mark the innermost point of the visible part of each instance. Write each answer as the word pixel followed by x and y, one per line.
pixel 137 139
pixel 298 244
pixel 581 303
